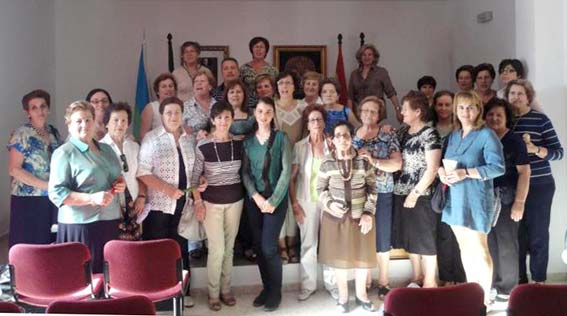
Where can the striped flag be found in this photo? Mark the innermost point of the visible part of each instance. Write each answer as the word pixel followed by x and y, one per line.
pixel 142 94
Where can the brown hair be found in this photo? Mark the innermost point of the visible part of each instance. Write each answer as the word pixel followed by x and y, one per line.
pixel 472 98
pixel 229 85
pixel 374 99
pixel 189 44
pixel 364 47
pixel 208 74
pixel 311 75
pixel 36 94
pixel 313 108
pixel 417 101
pixel 170 100
pixel 526 84
pixel 164 77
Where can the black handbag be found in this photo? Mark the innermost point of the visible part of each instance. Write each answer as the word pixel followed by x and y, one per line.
pixel 439 197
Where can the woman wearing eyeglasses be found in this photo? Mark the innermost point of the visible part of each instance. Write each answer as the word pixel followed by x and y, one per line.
pixel 117 118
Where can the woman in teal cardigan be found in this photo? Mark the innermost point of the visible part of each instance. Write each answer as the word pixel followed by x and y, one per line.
pixel 266 174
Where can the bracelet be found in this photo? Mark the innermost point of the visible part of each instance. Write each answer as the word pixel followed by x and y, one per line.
pixel 416 191
pixel 142 196
pixel 466 172
pixel 198 201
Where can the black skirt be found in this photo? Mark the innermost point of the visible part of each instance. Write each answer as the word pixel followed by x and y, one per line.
pixel 31 218
pixel 415 229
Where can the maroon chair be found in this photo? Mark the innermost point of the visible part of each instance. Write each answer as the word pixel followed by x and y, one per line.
pixel 9 307
pixel 463 300
pixel 41 274
pixel 151 268
pixel 133 305
pixel 538 299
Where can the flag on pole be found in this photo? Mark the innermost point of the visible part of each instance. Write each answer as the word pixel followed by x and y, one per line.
pixel 142 94
pixel 340 72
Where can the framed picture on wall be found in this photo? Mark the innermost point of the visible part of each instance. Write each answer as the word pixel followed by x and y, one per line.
pixel 301 58
pixel 212 56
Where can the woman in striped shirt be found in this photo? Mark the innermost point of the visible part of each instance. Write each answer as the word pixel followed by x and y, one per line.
pixel 542 145
pixel 219 158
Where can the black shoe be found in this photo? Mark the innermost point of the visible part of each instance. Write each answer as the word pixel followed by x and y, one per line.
pixel 260 300
pixel 366 305
pixel 344 307
pixel 272 304
pixel 382 291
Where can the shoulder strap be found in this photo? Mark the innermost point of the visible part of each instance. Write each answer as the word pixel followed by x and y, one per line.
pixel 267 162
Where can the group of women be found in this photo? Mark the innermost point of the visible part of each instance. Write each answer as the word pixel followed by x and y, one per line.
pixel 353 185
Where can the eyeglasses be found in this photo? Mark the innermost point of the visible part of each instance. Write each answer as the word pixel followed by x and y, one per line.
pixel 315 120
pixel 285 83
pixel 372 112
pixel 124 163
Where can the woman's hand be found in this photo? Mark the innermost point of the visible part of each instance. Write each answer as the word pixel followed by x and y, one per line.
pixel 174 192
pixel 517 211
pixel 268 208
pixel 119 185
pixel 200 210
pixel 202 184
pixel 139 204
pixel 365 223
pixel 298 213
pixel 364 153
pixel 411 200
pixel 201 134
pixel 443 176
pixel 101 198
pixel 455 176
pixel 337 209
pixel 259 200
pixel 530 147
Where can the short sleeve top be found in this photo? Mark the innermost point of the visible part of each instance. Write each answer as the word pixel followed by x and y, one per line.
pixel 414 164
pixel 37 156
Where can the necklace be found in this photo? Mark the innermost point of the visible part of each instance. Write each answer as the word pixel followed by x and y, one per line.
pixel 217 152
pixel 42 132
pixel 345 168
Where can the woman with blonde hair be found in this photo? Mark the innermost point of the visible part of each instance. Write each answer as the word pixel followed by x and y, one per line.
pixel 473 158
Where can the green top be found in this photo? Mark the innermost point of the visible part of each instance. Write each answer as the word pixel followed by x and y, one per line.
pixel 315 165
pixel 280 167
pixel 75 168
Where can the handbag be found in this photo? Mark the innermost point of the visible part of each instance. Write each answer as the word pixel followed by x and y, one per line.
pixel 189 227
pixel 439 198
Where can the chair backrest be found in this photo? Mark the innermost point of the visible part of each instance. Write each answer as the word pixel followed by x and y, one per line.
pixel 463 300
pixel 538 299
pixel 133 305
pixel 135 266
pixel 9 307
pixel 49 270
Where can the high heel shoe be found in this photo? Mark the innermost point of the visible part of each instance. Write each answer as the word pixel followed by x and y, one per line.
pixel 366 305
pixel 344 307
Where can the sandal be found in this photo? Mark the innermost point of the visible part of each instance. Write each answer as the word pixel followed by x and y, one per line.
pixel 283 255
pixel 228 299
pixel 383 290
pixel 250 255
pixel 293 257
pixel 214 304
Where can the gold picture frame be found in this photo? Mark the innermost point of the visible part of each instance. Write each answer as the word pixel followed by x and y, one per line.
pixel 301 58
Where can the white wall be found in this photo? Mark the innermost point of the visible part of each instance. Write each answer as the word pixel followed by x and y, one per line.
pixel 98 42
pixel 542 44
pixel 26 63
pixel 475 43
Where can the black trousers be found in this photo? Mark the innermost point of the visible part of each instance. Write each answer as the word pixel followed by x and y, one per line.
pixel 503 246
pixel 533 232
pixel 160 225
pixel 265 230
pixel 449 256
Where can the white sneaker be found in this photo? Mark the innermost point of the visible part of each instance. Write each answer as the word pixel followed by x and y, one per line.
pixel 188 301
pixel 414 285
pixel 334 292
pixel 305 294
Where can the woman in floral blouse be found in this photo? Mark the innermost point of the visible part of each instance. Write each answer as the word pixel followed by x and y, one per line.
pixel 30 147
pixel 259 48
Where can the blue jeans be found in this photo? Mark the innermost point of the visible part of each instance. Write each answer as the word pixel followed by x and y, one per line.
pixel 265 230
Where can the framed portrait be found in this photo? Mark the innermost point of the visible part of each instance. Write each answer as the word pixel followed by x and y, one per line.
pixel 211 57
pixel 301 58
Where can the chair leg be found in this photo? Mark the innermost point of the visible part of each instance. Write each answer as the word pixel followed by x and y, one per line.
pixel 178 306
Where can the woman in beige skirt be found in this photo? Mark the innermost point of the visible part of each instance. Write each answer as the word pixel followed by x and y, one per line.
pixel 347 192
